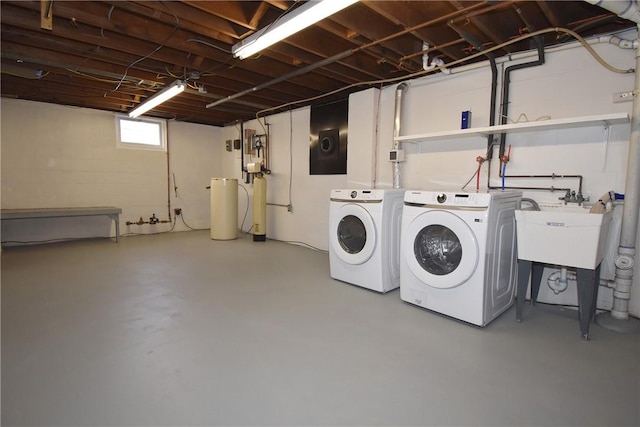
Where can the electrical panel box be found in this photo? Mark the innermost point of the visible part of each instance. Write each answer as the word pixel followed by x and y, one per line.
pixel 465 122
pixel 396 156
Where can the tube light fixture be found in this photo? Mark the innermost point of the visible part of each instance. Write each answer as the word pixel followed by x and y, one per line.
pixel 165 94
pixel 304 16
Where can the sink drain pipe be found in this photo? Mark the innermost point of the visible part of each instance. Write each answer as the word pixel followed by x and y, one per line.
pixel 629 229
pixel 625 260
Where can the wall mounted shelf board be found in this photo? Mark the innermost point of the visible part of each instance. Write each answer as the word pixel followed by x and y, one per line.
pixel 604 120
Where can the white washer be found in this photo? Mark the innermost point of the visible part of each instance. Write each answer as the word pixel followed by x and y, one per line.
pixel 458 252
pixel 364 237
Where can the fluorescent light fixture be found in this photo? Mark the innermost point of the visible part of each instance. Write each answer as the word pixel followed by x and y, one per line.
pixel 167 93
pixel 302 17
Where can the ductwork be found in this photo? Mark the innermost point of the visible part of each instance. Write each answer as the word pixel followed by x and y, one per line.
pixel 627 9
pixel 397 114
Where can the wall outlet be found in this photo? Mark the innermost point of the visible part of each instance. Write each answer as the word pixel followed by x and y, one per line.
pixel 622 97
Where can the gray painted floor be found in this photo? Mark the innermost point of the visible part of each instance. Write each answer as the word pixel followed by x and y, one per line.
pixel 177 329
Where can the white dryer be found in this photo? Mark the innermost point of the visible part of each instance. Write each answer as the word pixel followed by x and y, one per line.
pixel 458 252
pixel 364 237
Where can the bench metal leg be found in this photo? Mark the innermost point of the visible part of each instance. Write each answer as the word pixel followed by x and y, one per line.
pixel 116 220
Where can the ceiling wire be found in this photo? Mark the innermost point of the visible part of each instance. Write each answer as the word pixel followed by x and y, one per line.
pixel 567 31
pixel 210 45
pixel 231 57
pixel 91 77
pixel 175 29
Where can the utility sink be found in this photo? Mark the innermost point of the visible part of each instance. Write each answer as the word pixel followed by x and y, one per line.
pixel 566 235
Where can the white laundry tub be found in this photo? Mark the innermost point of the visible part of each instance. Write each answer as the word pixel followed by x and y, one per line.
pixel 562 235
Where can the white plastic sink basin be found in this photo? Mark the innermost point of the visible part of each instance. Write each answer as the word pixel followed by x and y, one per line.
pixel 562 235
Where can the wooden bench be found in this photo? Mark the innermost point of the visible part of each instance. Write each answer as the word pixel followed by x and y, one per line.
pixel 34 213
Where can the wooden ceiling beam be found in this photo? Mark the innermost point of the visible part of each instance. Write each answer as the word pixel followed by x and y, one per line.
pixel 268 68
pixel 190 18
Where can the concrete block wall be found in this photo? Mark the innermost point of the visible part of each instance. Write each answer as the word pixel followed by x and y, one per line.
pixel 56 156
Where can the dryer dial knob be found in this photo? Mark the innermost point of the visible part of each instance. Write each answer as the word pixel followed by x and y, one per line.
pixel 354 194
pixel 441 198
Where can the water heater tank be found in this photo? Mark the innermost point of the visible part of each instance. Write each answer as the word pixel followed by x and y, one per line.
pixel 224 208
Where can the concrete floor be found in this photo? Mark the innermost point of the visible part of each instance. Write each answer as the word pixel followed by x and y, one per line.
pixel 177 329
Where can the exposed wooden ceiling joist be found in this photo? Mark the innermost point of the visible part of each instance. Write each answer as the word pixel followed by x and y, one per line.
pixel 111 55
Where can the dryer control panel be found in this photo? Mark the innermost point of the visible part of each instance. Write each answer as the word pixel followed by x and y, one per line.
pixel 358 195
pixel 448 199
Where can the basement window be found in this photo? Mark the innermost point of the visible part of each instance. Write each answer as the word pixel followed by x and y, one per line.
pixel 144 134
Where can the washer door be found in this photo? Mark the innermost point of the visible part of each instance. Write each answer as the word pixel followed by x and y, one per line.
pixel 441 250
pixel 353 236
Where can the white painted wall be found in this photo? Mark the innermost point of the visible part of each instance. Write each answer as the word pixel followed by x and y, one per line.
pixel 308 220
pixel 54 156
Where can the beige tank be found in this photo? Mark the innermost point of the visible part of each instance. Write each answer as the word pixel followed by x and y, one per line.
pixel 259 208
pixel 224 208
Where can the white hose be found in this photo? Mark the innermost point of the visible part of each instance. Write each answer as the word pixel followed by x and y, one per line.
pixel 604 203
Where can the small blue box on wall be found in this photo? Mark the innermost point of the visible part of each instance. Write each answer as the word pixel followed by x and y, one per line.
pixel 466 120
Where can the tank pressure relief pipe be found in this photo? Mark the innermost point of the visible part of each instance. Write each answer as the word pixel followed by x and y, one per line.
pixel 504 160
pixel 480 161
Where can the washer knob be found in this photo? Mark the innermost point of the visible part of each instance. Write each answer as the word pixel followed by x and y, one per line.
pixel 354 194
pixel 441 198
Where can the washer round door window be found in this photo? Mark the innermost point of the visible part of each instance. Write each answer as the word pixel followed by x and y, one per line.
pixel 437 249
pixel 443 251
pixel 354 234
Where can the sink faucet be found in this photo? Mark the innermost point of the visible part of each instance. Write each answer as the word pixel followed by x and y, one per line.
pixel 572 197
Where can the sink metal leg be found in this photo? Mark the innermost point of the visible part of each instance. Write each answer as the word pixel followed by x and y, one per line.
pixel 587 294
pixel 524 270
pixel 596 287
pixel 536 278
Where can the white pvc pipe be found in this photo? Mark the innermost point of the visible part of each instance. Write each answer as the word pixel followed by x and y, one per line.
pixel 627 9
pixel 436 62
pixel 629 228
pixel 559 280
pixel 610 39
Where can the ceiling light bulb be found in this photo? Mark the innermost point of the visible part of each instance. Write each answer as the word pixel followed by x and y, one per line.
pixel 157 99
pixel 302 17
